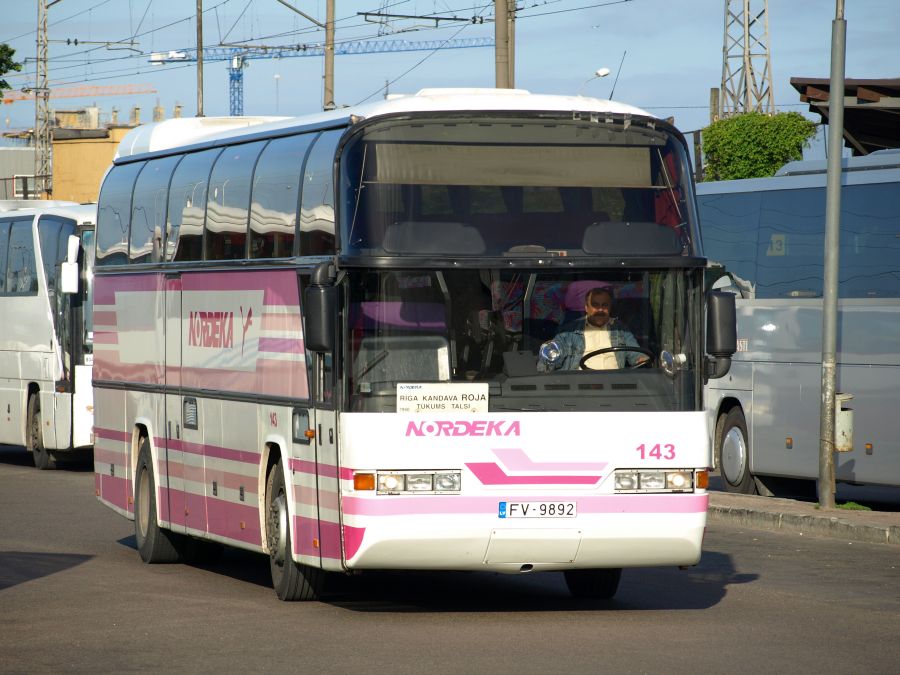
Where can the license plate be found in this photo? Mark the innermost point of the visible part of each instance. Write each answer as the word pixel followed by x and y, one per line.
pixel 536 510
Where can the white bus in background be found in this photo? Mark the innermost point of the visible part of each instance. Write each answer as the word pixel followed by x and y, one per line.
pixel 765 238
pixel 46 253
pixel 319 339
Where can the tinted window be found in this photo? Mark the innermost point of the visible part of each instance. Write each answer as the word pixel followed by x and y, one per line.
pixel 729 224
pixel 870 241
pixel 113 214
pixel 54 234
pixel 4 252
pixel 21 270
pixel 317 210
pixel 148 210
pixel 187 205
pixel 228 202
pixel 790 249
pixel 276 187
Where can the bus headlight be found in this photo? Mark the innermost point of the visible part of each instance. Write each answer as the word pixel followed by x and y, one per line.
pixel 419 482
pixel 654 480
pixel 447 482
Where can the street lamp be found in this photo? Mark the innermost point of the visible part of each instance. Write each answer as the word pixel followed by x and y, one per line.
pixel 277 77
pixel 601 72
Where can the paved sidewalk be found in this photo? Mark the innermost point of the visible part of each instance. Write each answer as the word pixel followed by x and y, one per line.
pixel 790 515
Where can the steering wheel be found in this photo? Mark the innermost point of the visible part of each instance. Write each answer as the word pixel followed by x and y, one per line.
pixel 584 359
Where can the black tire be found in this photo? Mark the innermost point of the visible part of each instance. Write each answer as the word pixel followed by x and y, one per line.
pixel 155 544
pixel 42 457
pixel 733 453
pixel 291 580
pixel 597 584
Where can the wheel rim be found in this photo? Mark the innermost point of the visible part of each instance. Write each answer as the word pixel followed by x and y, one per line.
pixel 278 523
pixel 734 455
pixel 143 515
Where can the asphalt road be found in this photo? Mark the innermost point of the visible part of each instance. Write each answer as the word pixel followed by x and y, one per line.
pixel 74 597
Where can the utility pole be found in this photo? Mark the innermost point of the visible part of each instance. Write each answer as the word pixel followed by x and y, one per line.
pixel 199 58
pixel 501 42
pixel 43 161
pixel 328 85
pixel 832 252
pixel 328 90
pixel 746 62
pixel 511 41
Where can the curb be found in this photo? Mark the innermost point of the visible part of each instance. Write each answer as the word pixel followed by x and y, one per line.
pixel 820 525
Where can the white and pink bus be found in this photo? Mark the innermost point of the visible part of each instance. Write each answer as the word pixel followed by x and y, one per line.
pixel 337 340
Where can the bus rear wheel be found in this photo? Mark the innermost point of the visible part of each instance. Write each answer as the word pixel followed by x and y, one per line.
pixel 599 584
pixel 733 453
pixel 291 580
pixel 42 457
pixel 154 544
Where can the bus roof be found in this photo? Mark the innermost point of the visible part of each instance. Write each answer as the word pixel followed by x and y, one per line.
pixel 159 136
pixel 81 213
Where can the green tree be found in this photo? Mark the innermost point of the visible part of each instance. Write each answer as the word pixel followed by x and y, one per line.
pixel 754 145
pixel 7 64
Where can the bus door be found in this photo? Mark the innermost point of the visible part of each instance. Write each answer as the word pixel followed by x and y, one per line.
pixel 324 423
pixel 183 460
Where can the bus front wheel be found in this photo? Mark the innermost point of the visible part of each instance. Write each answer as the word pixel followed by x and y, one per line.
pixel 599 584
pixel 42 457
pixel 733 453
pixel 291 580
pixel 155 544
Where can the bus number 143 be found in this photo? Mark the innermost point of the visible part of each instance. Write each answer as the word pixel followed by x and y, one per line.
pixel 658 451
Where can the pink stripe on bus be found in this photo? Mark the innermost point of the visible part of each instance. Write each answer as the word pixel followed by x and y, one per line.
pixel 106 287
pixel 281 345
pixel 353 537
pixel 280 286
pixel 104 318
pixel 102 337
pixel 287 323
pixel 116 491
pixel 112 434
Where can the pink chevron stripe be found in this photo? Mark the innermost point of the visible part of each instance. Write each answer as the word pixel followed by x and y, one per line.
pixel 353 537
pixel 515 459
pixel 491 474
pixel 453 505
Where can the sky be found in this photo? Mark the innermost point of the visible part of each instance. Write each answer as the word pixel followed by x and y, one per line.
pixel 663 55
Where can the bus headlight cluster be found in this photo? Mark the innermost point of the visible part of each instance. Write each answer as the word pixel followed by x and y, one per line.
pixel 419 482
pixel 654 480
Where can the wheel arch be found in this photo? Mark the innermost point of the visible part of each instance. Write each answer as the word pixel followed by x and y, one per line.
pixel 725 406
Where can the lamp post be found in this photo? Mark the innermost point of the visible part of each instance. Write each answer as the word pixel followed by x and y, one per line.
pixel 277 77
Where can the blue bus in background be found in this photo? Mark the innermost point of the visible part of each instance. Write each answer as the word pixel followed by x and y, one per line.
pixel 764 239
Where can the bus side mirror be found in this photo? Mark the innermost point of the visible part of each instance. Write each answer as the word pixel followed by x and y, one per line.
pixel 68 276
pixel 721 333
pixel 320 308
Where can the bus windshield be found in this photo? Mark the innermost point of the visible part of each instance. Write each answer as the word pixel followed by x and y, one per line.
pixel 495 325
pixel 495 186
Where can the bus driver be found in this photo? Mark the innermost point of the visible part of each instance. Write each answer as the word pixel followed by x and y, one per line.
pixel 596 332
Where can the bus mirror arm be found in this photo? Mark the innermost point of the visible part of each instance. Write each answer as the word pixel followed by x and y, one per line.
pixel 320 300
pixel 721 333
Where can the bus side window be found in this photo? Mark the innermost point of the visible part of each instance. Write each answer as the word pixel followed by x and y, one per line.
pixel 21 271
pixel 276 197
pixel 114 214
pixel 148 210
pixel 228 202
pixel 317 200
pixel 187 206
pixel 4 252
